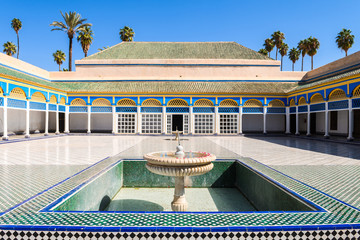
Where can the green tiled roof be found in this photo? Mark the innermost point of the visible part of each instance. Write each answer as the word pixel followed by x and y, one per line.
pixel 178 50
pixel 178 87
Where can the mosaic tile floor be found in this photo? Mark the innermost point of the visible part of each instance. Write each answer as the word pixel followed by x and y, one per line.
pixel 289 155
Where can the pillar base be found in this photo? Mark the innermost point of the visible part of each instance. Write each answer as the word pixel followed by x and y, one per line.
pixel 350 139
pixel 288 133
pixel 66 132
pixel 46 134
pixel 308 134
pixel 113 133
pixel 57 133
pixel 297 134
pixel 5 138
pixel 88 132
pixel 326 136
pixel 265 133
pixel 27 136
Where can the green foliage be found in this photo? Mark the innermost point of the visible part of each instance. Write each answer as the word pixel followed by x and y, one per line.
pixel 9 48
pixel 278 38
pixel 294 54
pixel 263 52
pixel 345 40
pixel 312 45
pixel 59 57
pixel 16 24
pixel 126 34
pixel 303 47
pixel 283 49
pixel 85 38
pixel 269 45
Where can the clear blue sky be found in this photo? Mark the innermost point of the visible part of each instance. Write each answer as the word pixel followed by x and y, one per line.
pixel 246 22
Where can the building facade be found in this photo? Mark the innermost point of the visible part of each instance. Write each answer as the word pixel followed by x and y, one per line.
pixel 198 88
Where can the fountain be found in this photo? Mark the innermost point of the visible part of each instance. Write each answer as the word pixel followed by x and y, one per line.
pixel 179 164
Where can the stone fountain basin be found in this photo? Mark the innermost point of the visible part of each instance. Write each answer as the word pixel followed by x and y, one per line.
pixel 179 171
pixel 169 159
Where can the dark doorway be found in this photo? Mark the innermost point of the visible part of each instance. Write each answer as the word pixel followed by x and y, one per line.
pixel 356 123
pixel 61 122
pixel 177 122
pixel 313 123
pixel 333 120
pixel 293 123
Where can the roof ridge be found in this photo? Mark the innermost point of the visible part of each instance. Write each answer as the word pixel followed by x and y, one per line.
pixel 94 54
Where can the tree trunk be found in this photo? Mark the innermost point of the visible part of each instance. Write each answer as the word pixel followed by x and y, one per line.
pixel 346 53
pixel 59 68
pixel 302 63
pixel 281 62
pixel 269 54
pixel 70 53
pixel 276 53
pixel 18 43
pixel 293 66
pixel 86 54
pixel 312 63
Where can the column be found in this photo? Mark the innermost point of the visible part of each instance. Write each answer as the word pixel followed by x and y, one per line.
pixel 138 123
pixel 114 122
pixel 351 121
pixel 264 114
pixel 27 124
pixel 67 120
pixel 287 131
pixel 308 122
pixel 297 121
pixel 191 120
pixel 240 120
pixel 47 120
pixel 89 119
pixel 163 118
pixel 57 131
pixel 326 120
pixel 5 127
pixel 217 121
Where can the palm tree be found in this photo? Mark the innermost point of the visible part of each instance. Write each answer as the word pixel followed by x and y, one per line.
pixel 278 38
pixel 263 52
pixel 294 55
pixel 9 48
pixel 126 34
pixel 85 38
pixel 16 24
pixel 269 45
pixel 59 57
pixel 313 46
pixel 302 46
pixel 345 40
pixel 72 24
pixel 283 51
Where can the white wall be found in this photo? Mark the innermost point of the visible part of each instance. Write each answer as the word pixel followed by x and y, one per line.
pixel 320 122
pixel 342 127
pixel 101 122
pixel 275 123
pixel 52 121
pixel 78 121
pixel 252 122
pixel 302 122
pixel 1 120
pixel 37 121
pixel 16 120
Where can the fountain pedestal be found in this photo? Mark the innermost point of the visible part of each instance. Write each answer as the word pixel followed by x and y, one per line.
pixel 179 204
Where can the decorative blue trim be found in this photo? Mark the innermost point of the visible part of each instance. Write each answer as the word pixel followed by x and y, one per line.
pixel 302 109
pixel 253 109
pixel 180 80
pixel 177 65
pixel 61 108
pixel 16 103
pixel 37 106
pixel 126 109
pixel 151 109
pixel 292 109
pixel 142 99
pixel 317 107
pixel 32 75
pixel 117 99
pixel 203 109
pixel 177 109
pixel 356 103
pixel 101 109
pixel 187 99
pixel 276 110
pixel 338 105
pixel 228 110
pixel 1 101
pixel 52 107
pixel 78 109
pixel 92 99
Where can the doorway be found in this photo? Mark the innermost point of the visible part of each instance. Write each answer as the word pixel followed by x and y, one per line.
pixel 61 122
pixel 312 123
pixel 356 123
pixel 293 123
pixel 177 122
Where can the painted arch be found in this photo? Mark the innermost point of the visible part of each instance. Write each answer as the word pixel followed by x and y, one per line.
pixel 316 98
pixel 18 93
pixel 1 91
pixel 177 102
pixel 101 102
pixel 228 103
pixel 38 97
pixel 356 92
pixel 292 103
pixel 337 94
pixel 78 102
pixel 53 99
pixel 302 101
pixel 253 103
pixel 62 101
pixel 276 103
pixel 151 102
pixel 126 102
pixel 203 103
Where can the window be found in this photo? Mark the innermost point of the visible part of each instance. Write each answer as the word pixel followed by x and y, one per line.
pixel 204 123
pixel 126 123
pixel 151 123
pixel 333 120
pixel 228 123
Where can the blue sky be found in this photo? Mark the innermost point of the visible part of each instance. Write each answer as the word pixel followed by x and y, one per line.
pixel 246 22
